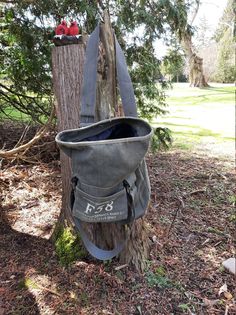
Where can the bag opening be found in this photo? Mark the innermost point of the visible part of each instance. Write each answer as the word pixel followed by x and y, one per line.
pixel 110 129
pixel 118 131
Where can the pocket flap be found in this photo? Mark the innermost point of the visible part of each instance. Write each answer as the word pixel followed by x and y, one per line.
pixel 112 208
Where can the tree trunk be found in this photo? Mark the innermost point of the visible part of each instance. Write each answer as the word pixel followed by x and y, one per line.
pixel 196 75
pixel 67 82
pixel 67 67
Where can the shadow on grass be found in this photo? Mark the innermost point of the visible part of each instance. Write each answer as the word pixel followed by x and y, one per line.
pixel 177 125
pixel 202 132
pixel 226 90
pixel 202 99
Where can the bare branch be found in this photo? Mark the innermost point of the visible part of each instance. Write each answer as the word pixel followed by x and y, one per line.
pixel 24 103
pixel 25 147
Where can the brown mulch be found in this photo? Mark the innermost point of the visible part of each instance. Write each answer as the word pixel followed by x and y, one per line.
pixel 191 223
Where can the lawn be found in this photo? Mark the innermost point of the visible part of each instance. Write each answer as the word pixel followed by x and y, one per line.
pixel 14 114
pixel 201 119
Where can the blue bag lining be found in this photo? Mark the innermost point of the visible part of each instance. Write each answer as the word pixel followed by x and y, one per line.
pixel 115 132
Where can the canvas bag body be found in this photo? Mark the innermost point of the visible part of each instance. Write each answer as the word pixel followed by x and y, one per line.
pixel 102 168
pixel 109 172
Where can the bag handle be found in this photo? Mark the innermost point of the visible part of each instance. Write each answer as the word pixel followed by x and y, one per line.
pixel 94 250
pixel 88 95
pixel 87 116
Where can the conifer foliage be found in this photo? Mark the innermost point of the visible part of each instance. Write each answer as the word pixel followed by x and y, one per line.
pixel 27 29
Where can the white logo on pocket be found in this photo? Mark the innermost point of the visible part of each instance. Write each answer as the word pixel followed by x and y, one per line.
pixel 99 208
pixel 89 208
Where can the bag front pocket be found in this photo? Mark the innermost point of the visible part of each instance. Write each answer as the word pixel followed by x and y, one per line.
pixel 111 208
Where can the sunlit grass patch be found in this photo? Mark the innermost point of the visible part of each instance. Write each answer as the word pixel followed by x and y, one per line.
pixel 200 115
pixel 182 144
pixel 14 114
pixel 212 98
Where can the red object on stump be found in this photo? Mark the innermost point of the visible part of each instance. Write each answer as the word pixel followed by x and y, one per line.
pixel 73 29
pixel 62 29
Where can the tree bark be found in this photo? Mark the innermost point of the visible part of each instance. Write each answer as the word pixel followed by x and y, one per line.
pixel 67 82
pixel 67 68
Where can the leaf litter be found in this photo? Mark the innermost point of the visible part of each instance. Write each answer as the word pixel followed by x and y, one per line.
pixel 191 224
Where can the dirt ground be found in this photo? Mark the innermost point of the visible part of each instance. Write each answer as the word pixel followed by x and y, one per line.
pixel 191 224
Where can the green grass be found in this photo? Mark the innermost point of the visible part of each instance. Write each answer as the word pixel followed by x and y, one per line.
pixel 200 115
pixel 14 114
pixel 198 100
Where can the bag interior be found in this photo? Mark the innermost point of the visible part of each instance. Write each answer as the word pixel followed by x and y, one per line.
pixel 118 131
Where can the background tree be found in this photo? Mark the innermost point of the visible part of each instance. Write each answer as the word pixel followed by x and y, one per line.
pixel 24 67
pixel 196 75
pixel 173 64
pixel 209 54
pixel 172 19
pixel 203 34
pixel 225 39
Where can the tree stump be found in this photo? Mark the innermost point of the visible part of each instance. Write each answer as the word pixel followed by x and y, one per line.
pixel 67 69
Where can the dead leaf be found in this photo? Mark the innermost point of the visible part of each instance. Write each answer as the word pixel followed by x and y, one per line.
pixel 121 267
pixel 223 289
pixel 210 303
pixel 31 204
pixel 139 309
pixel 228 295
pixel 73 295
pixel 79 285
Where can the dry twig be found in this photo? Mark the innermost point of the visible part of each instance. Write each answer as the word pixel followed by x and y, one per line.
pixel 181 205
pixel 197 191
pixel 16 152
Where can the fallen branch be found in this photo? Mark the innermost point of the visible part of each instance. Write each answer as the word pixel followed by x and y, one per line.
pixel 48 290
pixel 121 267
pixel 22 137
pixel 13 153
pixel 37 286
